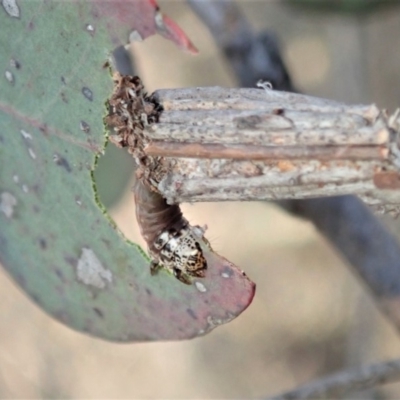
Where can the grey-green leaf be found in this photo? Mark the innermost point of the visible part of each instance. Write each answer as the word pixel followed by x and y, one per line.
pixel 55 240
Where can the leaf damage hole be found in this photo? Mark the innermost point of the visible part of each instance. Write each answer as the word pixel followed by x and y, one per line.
pixel 111 176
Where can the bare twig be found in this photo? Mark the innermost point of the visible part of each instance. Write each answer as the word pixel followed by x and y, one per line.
pixel 252 144
pixel 342 383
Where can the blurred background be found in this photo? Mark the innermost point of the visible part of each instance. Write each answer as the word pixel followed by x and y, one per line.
pixel 310 315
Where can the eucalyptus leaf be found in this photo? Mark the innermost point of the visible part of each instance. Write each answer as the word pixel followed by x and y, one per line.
pixel 56 240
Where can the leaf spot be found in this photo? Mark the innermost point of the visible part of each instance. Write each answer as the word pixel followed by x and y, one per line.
pixel 25 188
pixel 62 162
pixel 87 93
pixel 84 126
pixel 90 270
pixel 9 76
pixel 227 272
pixel 135 36
pixel 64 97
pixel 200 287
pixel 11 8
pixel 32 153
pixel 90 28
pixel 98 312
pixel 15 63
pixel 191 313
pixel 7 204
pixel 213 322
pixel 26 135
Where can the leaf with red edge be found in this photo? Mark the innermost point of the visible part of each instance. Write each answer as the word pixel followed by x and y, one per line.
pixel 144 17
pixel 55 239
pixel 170 30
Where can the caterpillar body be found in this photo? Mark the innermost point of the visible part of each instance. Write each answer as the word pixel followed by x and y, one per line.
pixel 172 242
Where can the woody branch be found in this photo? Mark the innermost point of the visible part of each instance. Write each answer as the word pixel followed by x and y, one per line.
pixel 253 144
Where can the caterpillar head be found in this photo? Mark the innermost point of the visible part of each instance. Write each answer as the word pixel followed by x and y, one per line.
pixel 181 253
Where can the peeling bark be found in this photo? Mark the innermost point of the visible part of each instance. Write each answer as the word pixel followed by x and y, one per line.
pixel 249 144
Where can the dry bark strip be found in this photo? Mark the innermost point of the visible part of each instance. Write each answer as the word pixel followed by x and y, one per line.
pixel 253 144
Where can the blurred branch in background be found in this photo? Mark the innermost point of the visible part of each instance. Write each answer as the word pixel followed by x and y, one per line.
pixel 358 235
pixel 337 385
pixel 253 57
